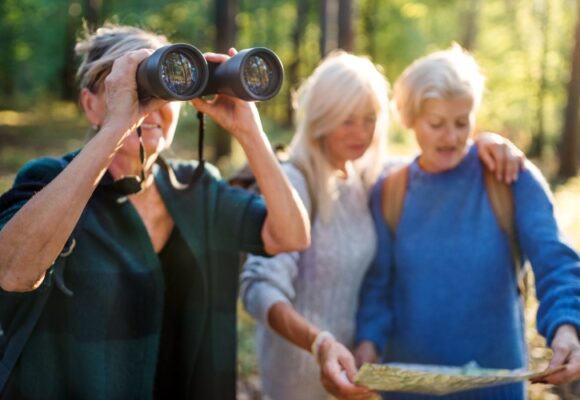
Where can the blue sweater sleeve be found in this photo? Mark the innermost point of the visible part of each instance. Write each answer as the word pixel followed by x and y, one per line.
pixel 374 313
pixel 555 263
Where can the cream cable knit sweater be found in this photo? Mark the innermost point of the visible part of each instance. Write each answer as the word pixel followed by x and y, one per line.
pixel 322 284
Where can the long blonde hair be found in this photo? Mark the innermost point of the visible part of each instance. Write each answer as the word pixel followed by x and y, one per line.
pixel 340 85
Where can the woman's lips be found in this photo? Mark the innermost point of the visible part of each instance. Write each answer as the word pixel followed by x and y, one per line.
pixel 446 150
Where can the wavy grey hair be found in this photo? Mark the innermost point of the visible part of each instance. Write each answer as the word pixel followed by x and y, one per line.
pixel 447 74
pixel 100 49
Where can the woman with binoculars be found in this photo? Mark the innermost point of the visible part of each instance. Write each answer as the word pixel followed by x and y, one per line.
pixel 123 266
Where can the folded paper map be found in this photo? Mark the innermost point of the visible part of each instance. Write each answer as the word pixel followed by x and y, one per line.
pixel 434 379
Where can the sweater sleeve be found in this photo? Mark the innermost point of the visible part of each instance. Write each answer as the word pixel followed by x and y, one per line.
pixel 240 215
pixel 15 306
pixel 374 315
pixel 555 263
pixel 268 280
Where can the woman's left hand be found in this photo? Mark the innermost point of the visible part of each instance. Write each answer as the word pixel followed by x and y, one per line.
pixel 566 347
pixel 501 156
pixel 239 117
pixel 337 372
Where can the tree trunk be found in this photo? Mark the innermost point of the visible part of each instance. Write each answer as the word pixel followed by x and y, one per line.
pixel 569 144
pixel 539 138
pixel 471 15
pixel 69 89
pixel 345 30
pixel 7 69
pixel 328 26
pixel 225 26
pixel 292 70
pixel 93 14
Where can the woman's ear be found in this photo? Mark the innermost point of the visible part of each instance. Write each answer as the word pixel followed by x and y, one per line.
pixel 93 106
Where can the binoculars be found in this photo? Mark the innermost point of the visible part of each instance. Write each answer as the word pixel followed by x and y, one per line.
pixel 180 72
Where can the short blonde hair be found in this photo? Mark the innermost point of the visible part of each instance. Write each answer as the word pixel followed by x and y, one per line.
pixel 446 74
pixel 100 49
pixel 341 84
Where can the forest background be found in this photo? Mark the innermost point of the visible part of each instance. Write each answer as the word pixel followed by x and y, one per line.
pixel 528 49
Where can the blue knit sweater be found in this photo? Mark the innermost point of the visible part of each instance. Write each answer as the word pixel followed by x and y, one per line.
pixel 444 292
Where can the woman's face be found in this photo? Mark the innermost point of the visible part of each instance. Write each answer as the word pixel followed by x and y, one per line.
pixel 442 130
pixel 157 130
pixel 351 139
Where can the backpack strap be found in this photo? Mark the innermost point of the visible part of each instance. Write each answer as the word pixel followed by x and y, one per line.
pixel 393 197
pixel 502 203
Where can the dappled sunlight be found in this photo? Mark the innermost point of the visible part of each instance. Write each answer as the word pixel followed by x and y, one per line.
pixel 15 118
pixel 55 111
pixel 567 199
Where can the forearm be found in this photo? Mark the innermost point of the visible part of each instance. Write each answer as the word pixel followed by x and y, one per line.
pixel 287 226
pixel 37 233
pixel 288 323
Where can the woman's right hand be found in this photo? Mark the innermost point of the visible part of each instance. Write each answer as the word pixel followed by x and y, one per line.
pixel 337 371
pixel 123 110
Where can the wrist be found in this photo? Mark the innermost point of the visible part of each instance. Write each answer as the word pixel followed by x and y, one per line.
pixel 252 138
pixel 567 330
pixel 322 337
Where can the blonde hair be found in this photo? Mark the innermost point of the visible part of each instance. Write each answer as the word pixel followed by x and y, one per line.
pixel 342 83
pixel 100 49
pixel 446 74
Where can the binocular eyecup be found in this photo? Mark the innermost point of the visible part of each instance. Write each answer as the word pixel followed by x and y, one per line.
pixel 180 72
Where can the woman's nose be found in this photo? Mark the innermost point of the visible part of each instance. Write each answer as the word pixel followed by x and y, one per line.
pixel 451 131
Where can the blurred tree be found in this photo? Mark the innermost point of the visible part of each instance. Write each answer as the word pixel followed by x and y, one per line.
pixel 225 28
pixel 93 13
pixel 225 24
pixel 7 48
pixel 73 25
pixel 328 34
pixel 345 25
pixel 292 69
pixel 470 17
pixel 368 16
pixel 336 25
pixel 569 144
pixel 539 136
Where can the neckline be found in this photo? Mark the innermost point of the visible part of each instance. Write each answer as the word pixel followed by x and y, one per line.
pixel 468 159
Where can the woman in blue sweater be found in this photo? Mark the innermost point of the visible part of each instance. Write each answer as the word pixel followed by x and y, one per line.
pixel 443 289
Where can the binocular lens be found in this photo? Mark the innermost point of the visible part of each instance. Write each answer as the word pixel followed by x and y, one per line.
pixel 257 74
pixel 178 73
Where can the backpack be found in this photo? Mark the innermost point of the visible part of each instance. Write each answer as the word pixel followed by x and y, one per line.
pixel 502 203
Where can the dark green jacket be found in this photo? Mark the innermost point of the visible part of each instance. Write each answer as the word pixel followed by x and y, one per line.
pixel 102 342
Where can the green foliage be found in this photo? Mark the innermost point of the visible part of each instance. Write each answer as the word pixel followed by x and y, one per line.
pixel 508 43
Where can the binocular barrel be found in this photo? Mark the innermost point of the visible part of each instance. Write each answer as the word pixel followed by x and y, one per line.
pixel 180 72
